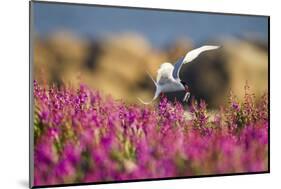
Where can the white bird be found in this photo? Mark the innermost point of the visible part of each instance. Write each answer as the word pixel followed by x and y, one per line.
pixel 168 75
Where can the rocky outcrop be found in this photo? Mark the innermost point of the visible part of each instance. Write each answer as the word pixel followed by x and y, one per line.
pixel 117 66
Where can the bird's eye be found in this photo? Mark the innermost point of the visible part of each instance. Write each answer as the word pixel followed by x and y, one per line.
pixel 183 82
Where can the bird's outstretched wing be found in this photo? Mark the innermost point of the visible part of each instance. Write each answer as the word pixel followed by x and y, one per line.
pixel 191 55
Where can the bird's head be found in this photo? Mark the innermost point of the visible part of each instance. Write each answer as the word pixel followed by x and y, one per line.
pixel 186 88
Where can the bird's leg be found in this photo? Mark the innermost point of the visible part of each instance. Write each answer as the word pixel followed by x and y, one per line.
pixel 187 94
pixel 186 97
pixel 162 95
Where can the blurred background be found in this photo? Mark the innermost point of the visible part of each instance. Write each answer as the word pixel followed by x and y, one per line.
pixel 110 49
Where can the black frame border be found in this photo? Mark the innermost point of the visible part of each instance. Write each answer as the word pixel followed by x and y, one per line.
pixel 31 142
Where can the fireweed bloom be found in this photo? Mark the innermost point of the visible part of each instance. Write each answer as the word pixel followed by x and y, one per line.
pixel 82 136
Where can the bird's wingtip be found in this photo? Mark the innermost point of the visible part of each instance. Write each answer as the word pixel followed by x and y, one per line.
pixel 215 46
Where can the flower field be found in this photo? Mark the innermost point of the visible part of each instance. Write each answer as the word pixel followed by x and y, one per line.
pixel 83 136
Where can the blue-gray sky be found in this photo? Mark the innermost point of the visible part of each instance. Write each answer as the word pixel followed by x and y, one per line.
pixel 159 27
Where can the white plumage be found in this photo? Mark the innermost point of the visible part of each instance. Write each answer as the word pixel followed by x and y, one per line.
pixel 168 80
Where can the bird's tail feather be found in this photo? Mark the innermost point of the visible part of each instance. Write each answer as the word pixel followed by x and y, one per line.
pixel 146 103
pixel 156 92
pixel 155 96
pixel 151 78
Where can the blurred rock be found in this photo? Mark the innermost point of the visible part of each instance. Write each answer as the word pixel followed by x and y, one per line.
pixel 117 65
pixel 247 62
pixel 55 56
pixel 214 74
